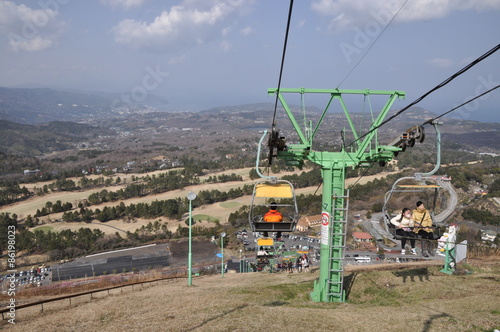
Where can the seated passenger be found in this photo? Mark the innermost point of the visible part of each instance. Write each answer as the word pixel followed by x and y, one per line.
pixel 404 228
pixel 422 217
pixel 262 252
pixel 273 216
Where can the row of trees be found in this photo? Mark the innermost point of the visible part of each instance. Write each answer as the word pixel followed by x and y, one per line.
pixel 82 241
pixel 53 208
pixel 484 217
pixel 12 193
pixel 224 178
pixel 171 208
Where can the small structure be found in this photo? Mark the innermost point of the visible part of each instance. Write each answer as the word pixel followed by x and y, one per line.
pixel 488 235
pixel 362 237
pixel 28 172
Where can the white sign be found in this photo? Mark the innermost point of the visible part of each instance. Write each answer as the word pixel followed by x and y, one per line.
pixel 325 221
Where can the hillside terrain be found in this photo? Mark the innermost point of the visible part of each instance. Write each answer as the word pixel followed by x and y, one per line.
pixel 223 137
pixel 379 298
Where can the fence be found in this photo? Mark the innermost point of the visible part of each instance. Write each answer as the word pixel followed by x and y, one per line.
pixel 91 293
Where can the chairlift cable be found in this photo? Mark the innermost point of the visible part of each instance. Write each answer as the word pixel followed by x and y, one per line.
pixel 437 87
pixel 463 104
pixel 282 61
pixel 374 42
pixel 361 176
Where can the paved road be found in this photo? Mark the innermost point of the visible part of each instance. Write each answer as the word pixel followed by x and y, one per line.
pixel 452 203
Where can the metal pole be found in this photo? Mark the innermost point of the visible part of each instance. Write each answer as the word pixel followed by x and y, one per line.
pixel 190 257
pixel 222 253
pixel 190 196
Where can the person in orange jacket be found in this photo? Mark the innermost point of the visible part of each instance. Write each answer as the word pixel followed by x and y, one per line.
pixel 273 216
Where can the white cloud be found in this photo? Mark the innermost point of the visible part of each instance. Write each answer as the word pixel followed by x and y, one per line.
pixel 124 4
pixel 441 63
pixel 185 25
pixel 33 45
pixel 29 29
pixel 351 13
pixel 246 31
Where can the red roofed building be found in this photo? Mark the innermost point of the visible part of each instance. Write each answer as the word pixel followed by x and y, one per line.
pixel 362 237
pixel 363 240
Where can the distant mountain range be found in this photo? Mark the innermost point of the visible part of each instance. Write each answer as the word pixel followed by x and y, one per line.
pixel 42 105
pixel 36 121
pixel 23 139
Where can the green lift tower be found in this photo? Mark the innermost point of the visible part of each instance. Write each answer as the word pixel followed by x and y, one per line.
pixel 329 287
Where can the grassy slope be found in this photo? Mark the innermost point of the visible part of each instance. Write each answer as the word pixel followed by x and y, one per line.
pixel 417 298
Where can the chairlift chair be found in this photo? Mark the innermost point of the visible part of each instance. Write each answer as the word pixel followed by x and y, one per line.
pixel 283 194
pixel 422 187
pixel 410 188
pixel 267 254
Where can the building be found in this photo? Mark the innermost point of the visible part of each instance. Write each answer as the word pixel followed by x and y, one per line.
pixel 28 172
pixel 361 237
pixel 306 222
pixel 488 235
pixel 364 240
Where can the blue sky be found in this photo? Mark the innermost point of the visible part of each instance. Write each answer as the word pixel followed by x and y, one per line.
pixel 200 54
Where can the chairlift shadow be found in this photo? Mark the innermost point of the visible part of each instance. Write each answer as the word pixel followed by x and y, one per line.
pixel 217 317
pixel 348 283
pixel 428 323
pixel 275 304
pixel 422 274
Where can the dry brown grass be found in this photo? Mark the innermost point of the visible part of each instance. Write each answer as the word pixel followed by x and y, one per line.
pixel 410 299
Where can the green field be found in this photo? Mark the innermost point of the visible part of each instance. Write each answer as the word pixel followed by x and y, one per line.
pixel 45 229
pixel 230 205
pixel 200 217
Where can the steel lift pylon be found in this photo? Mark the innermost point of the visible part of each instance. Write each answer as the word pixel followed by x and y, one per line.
pixel 329 286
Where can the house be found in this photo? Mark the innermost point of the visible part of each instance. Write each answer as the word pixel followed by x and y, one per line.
pixel 488 235
pixel 314 220
pixel 31 172
pixel 306 222
pixel 302 225
pixel 362 237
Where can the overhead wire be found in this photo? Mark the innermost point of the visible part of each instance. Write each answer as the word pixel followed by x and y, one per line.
pixel 361 176
pixel 434 119
pixel 459 106
pixel 282 60
pixel 437 87
pixel 374 42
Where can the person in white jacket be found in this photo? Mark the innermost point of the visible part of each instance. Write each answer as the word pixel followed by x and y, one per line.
pixel 404 228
